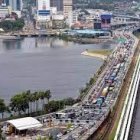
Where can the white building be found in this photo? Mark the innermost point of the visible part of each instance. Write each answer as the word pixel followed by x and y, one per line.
pixel 53 10
pixel 4 11
pixel 75 16
pixel 67 7
pixel 43 10
pixel 58 17
pixel 120 19
pixel 58 21
pixel 43 14
pixel 69 19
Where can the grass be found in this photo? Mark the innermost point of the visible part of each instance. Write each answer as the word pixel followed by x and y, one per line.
pixel 100 52
pixel 112 135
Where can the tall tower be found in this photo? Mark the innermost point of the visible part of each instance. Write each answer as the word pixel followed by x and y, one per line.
pixel 58 4
pixel 16 5
pixel 5 2
pixel 43 10
pixel 67 7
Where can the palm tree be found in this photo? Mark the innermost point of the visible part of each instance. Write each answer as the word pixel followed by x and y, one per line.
pixel 48 95
pixel 33 98
pixel 2 107
pixel 31 101
pixel 0 133
pixel 36 97
pixel 42 97
pixel 26 97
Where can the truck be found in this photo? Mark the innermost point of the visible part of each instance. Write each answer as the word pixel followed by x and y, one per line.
pixel 100 101
pixel 104 92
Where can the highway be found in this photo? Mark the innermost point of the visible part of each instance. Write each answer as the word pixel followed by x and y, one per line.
pixel 87 117
pixel 123 129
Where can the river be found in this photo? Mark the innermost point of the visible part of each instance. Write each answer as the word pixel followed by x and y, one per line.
pixel 45 63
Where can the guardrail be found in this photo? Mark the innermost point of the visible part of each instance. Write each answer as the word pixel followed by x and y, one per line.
pixel 127 112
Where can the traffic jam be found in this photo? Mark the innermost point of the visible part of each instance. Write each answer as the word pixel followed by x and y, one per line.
pixel 93 111
pixel 83 119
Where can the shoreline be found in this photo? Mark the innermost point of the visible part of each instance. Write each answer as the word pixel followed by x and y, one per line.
pixel 79 40
pixel 86 53
pixel 88 40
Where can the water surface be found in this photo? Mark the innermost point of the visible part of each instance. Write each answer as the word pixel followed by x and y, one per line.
pixel 45 63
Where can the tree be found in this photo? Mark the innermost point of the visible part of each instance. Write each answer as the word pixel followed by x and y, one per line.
pixel 26 97
pixel 42 97
pixel 48 95
pixel 44 138
pixel 51 137
pixel 91 81
pixel 18 103
pixel 69 101
pixel 2 136
pixel 12 25
pixel 18 24
pixel 52 106
pixel 2 107
pixel 36 98
pixel 31 101
pixel 0 133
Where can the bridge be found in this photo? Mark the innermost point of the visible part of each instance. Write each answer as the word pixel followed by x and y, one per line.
pixel 35 33
pixel 123 20
pixel 119 24
pixel 127 16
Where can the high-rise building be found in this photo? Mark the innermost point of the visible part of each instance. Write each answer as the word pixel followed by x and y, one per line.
pixel 1 1
pixel 6 2
pixel 43 7
pixel 43 15
pixel 16 5
pixel 58 4
pixel 106 21
pixel 67 7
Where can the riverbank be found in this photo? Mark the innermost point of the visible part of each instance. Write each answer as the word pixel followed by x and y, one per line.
pixel 86 40
pixel 54 33
pixel 97 53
